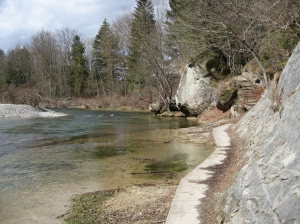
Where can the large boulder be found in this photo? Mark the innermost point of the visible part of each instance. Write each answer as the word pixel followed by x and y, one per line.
pixel 194 93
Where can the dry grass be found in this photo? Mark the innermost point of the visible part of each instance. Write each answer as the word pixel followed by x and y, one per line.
pixel 140 204
pixel 224 175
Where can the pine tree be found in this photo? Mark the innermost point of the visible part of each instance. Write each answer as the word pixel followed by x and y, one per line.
pixel 105 58
pixel 181 34
pixel 18 66
pixel 3 78
pixel 143 28
pixel 78 66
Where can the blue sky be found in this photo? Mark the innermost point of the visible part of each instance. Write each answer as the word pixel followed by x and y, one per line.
pixel 20 19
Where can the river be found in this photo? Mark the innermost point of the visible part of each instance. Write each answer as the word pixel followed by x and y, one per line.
pixel 45 161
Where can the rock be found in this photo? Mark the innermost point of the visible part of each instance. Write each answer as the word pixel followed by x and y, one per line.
pixel 161 108
pixel 266 190
pixel 194 93
pixel 172 114
pixel 225 98
pixel 82 106
pixel 172 105
pixel 156 108
pixel 248 76
pixel 237 111
pixel 65 104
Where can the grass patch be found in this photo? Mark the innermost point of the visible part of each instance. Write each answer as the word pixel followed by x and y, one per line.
pixel 108 151
pixel 87 208
pixel 176 163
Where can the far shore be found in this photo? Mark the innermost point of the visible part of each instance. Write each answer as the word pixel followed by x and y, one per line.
pixel 26 111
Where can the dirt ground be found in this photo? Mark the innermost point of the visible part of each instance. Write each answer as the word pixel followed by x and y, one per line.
pixel 145 203
pixel 150 203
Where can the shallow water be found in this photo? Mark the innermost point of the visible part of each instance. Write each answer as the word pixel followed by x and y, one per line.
pixel 44 161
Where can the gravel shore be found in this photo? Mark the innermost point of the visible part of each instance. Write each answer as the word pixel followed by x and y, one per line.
pixel 26 111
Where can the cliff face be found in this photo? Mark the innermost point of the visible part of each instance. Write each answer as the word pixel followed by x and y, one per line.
pixel 267 189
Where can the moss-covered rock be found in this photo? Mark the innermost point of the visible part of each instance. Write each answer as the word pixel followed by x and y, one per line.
pixel 225 98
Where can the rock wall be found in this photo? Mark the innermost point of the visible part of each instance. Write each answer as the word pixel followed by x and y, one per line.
pixel 267 189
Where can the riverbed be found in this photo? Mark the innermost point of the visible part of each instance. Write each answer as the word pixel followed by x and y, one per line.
pixel 45 161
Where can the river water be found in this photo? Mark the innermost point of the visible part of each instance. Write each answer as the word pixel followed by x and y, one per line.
pixel 45 161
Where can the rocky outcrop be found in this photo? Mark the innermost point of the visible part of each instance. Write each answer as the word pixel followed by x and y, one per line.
pixel 199 89
pixel 267 189
pixel 194 93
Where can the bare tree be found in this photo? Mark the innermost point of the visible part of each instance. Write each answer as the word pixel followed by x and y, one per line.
pixel 63 39
pixel 44 51
pixel 121 28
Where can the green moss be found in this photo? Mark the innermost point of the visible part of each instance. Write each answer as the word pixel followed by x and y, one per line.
pixel 108 151
pixel 176 163
pixel 87 208
pixel 227 94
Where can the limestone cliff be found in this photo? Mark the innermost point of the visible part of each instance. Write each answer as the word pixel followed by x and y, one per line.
pixel 267 189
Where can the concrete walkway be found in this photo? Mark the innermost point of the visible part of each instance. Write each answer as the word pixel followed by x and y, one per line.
pixel 184 208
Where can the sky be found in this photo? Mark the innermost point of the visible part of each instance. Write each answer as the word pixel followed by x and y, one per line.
pixel 21 19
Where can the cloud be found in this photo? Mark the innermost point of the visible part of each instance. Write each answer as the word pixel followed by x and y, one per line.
pixel 19 20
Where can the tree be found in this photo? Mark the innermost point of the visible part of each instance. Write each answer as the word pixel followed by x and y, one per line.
pixel 235 27
pixel 43 49
pixel 150 64
pixel 3 81
pixel 78 66
pixel 121 29
pixel 18 66
pixel 105 58
pixel 64 78
pixel 141 35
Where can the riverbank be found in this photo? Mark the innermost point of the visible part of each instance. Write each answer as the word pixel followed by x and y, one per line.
pixel 26 111
pixel 150 203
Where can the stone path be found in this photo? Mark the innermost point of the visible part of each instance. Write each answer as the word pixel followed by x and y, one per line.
pixel 249 93
pixel 191 189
